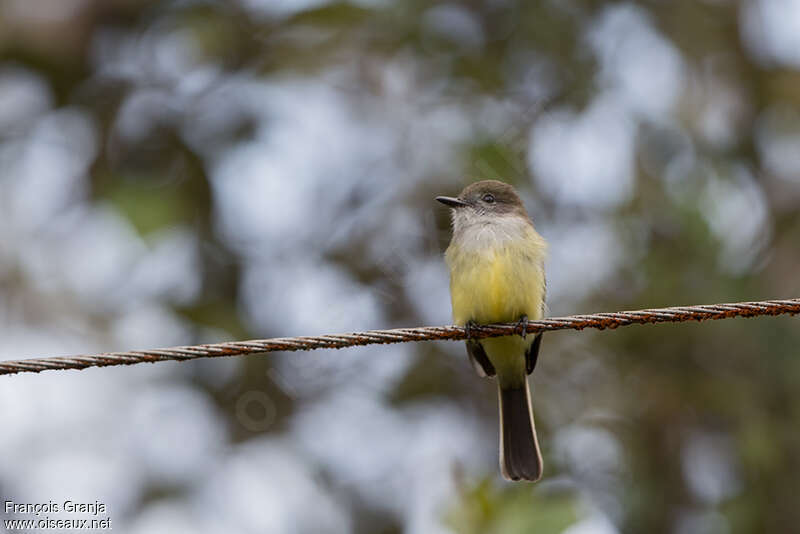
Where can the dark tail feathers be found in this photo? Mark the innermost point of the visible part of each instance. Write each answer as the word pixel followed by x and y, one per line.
pixel 520 458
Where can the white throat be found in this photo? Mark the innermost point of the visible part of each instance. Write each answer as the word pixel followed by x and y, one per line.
pixel 481 231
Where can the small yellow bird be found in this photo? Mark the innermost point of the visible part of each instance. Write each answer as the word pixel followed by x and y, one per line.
pixel 496 261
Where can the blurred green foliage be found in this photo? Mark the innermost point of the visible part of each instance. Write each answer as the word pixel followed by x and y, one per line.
pixel 487 509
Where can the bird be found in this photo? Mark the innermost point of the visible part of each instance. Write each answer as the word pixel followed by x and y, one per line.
pixel 496 262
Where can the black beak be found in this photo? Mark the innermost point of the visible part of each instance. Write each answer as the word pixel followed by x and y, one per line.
pixel 452 202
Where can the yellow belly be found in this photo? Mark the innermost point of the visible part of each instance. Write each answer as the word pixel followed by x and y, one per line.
pixel 496 285
pixel 500 284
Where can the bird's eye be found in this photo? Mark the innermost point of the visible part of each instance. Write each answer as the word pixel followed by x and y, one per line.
pixel 488 198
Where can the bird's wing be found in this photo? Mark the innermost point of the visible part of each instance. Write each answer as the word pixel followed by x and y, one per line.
pixel 532 354
pixel 479 360
pixel 544 294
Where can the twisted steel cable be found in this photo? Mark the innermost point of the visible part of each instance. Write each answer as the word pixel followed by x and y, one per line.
pixel 599 321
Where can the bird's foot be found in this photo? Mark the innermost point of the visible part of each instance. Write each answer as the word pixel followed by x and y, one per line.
pixel 522 325
pixel 468 328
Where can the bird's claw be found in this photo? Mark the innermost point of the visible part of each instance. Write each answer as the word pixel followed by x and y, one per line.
pixel 468 329
pixel 522 325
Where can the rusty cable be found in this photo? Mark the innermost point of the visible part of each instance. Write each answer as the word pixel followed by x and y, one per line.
pixel 401 335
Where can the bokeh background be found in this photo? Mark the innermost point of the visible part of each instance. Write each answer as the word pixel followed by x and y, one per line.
pixel 177 172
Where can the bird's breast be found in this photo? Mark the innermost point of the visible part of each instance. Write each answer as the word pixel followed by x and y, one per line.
pixel 499 282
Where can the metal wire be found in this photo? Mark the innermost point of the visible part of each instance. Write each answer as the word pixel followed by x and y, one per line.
pixel 401 335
